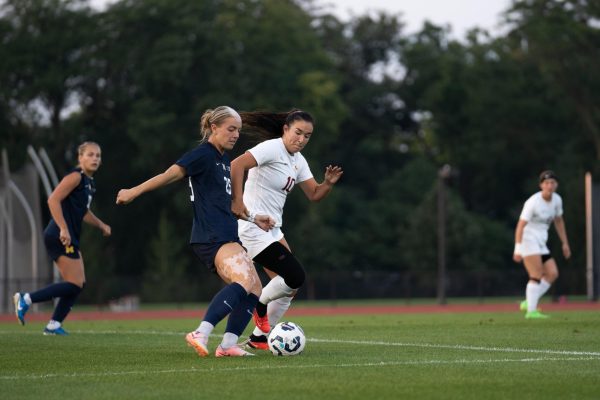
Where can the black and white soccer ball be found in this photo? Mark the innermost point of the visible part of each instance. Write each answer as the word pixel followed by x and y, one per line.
pixel 286 339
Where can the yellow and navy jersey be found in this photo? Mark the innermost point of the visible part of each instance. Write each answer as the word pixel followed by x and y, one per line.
pixel 74 207
pixel 209 177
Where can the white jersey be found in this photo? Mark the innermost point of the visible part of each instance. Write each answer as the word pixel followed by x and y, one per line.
pixel 539 214
pixel 274 177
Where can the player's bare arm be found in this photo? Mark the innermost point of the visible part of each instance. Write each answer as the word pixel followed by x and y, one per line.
pixel 318 191
pixel 518 239
pixel 239 166
pixel 559 224
pixel 172 174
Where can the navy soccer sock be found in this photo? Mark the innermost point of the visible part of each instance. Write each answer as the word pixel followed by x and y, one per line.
pixel 241 315
pixel 63 308
pixel 60 289
pixel 224 303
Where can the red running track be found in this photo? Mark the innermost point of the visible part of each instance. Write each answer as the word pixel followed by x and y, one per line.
pixel 314 311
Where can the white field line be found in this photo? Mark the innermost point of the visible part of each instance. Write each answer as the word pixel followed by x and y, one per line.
pixel 462 347
pixel 279 367
pixel 359 342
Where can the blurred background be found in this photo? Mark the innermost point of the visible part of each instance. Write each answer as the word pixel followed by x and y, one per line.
pixel 441 138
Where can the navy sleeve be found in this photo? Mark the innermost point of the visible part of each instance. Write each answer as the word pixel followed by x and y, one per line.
pixel 194 161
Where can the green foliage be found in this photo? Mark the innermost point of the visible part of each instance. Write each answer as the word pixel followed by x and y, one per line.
pixel 563 40
pixel 47 46
pixel 99 261
pixel 166 265
pixel 390 108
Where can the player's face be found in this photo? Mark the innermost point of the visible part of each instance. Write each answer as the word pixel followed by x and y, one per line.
pixel 548 186
pixel 90 159
pixel 297 135
pixel 225 135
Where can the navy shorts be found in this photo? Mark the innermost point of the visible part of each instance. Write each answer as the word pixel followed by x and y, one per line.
pixel 56 249
pixel 207 252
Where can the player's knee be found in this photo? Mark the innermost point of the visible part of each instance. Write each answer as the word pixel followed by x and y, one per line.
pixel 291 271
pixel 281 261
pixel 295 276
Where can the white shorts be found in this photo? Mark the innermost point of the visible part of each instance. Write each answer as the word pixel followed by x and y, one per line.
pixel 255 239
pixel 530 247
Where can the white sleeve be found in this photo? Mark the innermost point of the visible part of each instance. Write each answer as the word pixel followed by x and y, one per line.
pixel 527 212
pixel 264 152
pixel 559 205
pixel 304 172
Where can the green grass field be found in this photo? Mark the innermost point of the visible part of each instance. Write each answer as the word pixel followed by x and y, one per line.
pixel 415 356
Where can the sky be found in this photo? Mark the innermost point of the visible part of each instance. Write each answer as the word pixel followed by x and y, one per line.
pixel 461 15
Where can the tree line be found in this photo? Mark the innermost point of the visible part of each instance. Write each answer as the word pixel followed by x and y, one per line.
pixel 391 108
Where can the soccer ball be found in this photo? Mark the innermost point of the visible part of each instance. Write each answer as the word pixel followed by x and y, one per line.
pixel 286 339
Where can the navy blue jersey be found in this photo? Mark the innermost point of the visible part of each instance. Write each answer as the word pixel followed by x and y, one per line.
pixel 209 174
pixel 74 207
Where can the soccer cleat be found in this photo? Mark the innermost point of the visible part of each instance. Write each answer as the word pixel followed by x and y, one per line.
pixel 535 315
pixel 198 341
pixel 21 307
pixel 233 351
pixel 523 306
pixel 55 332
pixel 261 323
pixel 256 344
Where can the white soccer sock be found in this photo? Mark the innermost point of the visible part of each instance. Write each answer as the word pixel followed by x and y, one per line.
pixel 277 308
pixel 27 299
pixel 53 325
pixel 205 328
pixel 531 294
pixel 543 288
pixel 258 332
pixel 229 340
pixel 274 290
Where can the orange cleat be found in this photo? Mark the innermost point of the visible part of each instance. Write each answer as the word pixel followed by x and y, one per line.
pixel 261 323
pixel 255 345
pixel 198 341
pixel 233 351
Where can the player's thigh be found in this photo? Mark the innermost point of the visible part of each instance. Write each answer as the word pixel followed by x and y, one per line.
pixel 285 243
pixel 533 265
pixel 234 265
pixel 71 270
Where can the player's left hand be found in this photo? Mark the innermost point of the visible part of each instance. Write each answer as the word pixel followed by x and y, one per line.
pixel 333 174
pixel 264 222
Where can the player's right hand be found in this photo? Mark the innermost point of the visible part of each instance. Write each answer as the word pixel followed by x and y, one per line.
pixel 65 237
pixel 125 196
pixel 264 222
